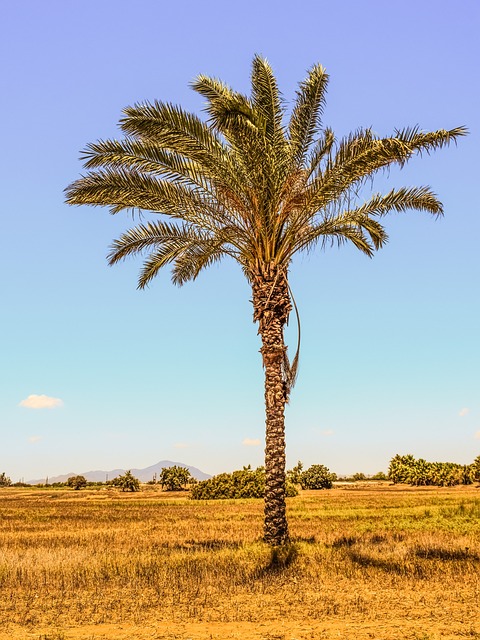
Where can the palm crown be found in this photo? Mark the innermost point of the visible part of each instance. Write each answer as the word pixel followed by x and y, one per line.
pixel 245 184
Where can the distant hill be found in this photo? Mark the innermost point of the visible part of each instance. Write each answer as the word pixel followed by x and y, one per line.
pixel 144 475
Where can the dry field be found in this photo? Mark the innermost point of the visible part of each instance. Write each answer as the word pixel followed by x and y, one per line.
pixel 371 561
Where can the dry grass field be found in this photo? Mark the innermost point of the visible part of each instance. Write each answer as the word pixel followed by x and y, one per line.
pixel 371 561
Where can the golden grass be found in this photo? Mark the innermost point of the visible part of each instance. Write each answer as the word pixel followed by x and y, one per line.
pixel 369 561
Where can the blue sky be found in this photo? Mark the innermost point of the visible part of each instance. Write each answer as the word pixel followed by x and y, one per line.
pixel 390 353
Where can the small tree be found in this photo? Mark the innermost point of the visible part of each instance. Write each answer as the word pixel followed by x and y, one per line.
pixel 293 475
pixel 4 480
pixel 400 469
pixel 77 482
pixel 175 478
pixel 379 476
pixel 317 477
pixel 127 482
pixel 475 466
pixel 359 477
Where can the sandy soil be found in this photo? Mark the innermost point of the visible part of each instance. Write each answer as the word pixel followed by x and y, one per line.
pixel 279 630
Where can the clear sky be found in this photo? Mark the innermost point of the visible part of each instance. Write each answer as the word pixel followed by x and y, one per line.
pixel 390 355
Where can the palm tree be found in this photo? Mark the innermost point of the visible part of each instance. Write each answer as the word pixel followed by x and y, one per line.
pixel 246 185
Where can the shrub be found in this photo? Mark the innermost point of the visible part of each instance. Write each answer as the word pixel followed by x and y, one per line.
pixel 379 476
pixel 245 483
pixel 358 477
pixel 4 480
pixel 175 478
pixel 475 469
pixel 77 482
pixel 408 470
pixel 293 475
pixel 400 469
pixel 317 477
pixel 127 482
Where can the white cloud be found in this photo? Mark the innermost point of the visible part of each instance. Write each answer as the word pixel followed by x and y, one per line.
pixel 477 435
pixel 251 442
pixel 33 439
pixel 463 412
pixel 328 432
pixel 41 402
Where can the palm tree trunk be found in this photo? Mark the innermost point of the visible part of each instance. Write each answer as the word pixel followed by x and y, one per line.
pixel 271 309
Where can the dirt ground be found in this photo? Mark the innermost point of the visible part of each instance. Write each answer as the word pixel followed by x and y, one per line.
pixel 272 630
pixel 382 563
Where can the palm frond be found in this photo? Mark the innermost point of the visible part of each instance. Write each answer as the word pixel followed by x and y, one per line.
pixel 350 226
pixel 267 102
pixel 427 142
pixel 189 249
pixel 419 198
pixel 320 151
pixel 152 121
pixel 171 128
pixel 146 157
pixel 290 369
pixel 195 258
pixel 144 236
pixel 361 155
pixel 234 115
pixel 132 190
pixel 305 121
pixel 224 105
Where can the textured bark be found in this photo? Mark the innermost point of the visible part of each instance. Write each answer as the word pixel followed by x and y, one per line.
pixel 271 309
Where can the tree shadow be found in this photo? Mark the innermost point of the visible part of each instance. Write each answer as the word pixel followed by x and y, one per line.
pixel 280 559
pixel 390 566
pixel 201 545
pixel 344 542
pixel 440 553
pixel 309 540
pixel 406 565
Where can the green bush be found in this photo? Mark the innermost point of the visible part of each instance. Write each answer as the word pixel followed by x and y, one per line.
pixel 293 475
pixel 317 477
pixel 4 480
pixel 408 470
pixel 127 482
pixel 245 483
pixel 475 470
pixel 77 482
pixel 175 478
pixel 379 476
pixel 359 477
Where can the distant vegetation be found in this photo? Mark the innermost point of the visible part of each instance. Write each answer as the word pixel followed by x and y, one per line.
pixel 317 477
pixel 244 483
pixel 250 483
pixel 77 482
pixel 127 482
pixel 4 480
pixel 419 472
pixel 176 478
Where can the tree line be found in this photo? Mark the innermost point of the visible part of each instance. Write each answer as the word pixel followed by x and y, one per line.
pixel 250 483
pixel 418 472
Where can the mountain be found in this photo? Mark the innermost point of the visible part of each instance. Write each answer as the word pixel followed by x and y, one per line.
pixel 142 474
